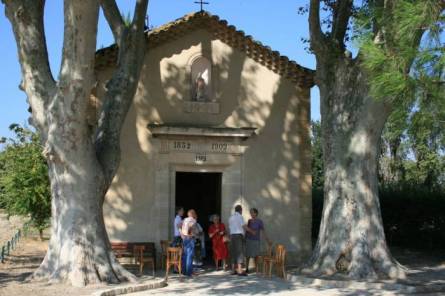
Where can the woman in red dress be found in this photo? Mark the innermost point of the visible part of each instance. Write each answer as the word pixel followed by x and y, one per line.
pixel 216 233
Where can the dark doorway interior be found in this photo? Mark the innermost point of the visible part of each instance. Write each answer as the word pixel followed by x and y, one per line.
pixel 201 192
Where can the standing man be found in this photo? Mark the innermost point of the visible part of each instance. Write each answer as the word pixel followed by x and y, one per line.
pixel 177 224
pixel 237 228
pixel 188 232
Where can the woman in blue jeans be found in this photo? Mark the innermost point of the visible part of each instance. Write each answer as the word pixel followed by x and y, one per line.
pixel 188 232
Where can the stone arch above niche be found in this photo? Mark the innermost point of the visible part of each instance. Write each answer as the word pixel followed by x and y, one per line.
pixel 201 79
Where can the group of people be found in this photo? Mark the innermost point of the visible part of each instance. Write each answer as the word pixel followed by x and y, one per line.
pixel 244 239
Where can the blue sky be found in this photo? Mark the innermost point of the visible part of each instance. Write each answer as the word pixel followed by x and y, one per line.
pixel 274 23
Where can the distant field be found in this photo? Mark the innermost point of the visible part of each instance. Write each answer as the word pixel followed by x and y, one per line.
pixel 8 227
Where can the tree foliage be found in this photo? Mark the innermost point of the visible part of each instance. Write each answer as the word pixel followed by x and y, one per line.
pixel 24 183
pixel 413 78
pixel 398 69
pixel 413 147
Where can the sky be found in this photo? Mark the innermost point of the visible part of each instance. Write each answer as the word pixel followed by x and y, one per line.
pixel 274 23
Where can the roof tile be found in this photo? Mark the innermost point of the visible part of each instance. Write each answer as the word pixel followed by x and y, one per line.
pixel 228 34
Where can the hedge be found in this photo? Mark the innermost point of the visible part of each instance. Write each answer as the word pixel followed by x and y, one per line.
pixel 413 217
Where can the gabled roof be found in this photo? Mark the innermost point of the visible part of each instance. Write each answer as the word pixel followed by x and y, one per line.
pixel 227 34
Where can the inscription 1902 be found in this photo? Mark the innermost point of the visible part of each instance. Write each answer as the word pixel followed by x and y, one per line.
pixel 219 147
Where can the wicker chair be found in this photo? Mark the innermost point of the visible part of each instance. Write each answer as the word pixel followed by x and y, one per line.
pixel 278 259
pixel 268 254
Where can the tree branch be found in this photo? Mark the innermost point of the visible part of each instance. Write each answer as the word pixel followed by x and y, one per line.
pixel 317 37
pixel 341 14
pixel 140 12
pixel 114 18
pixel 120 92
pixel 79 45
pixel 26 17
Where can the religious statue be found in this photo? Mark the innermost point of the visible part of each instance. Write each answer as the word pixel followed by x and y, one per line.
pixel 200 90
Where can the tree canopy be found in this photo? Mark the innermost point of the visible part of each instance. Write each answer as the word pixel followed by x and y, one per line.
pixel 24 182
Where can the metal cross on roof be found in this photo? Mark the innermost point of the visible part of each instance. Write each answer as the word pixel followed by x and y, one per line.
pixel 201 3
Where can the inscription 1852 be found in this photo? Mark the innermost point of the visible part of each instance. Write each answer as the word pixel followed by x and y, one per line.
pixel 182 145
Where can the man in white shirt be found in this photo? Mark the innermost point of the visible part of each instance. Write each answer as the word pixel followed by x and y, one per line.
pixel 177 224
pixel 188 233
pixel 237 228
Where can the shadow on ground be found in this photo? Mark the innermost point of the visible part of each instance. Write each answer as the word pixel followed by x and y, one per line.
pixel 425 270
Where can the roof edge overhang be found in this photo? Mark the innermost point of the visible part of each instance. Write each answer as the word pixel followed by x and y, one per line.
pixel 165 130
pixel 228 34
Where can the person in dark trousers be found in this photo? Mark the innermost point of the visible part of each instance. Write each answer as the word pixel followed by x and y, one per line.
pixel 237 228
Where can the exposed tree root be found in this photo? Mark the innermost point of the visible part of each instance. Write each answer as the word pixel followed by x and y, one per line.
pixel 355 263
pixel 82 269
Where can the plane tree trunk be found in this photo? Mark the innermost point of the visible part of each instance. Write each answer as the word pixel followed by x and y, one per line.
pixel 351 238
pixel 82 161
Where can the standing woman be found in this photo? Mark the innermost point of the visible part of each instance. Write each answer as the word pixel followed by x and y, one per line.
pixel 216 233
pixel 253 238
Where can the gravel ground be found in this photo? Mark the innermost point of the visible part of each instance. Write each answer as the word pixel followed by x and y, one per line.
pixel 19 266
pixel 222 283
pixel 425 267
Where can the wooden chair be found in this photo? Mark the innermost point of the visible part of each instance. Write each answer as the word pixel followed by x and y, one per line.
pixel 138 253
pixel 164 246
pixel 278 259
pixel 174 258
pixel 268 254
pixel 125 250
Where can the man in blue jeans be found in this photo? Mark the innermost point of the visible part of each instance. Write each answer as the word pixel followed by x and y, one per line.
pixel 188 232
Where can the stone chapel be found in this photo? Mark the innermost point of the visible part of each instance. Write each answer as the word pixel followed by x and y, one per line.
pixel 218 119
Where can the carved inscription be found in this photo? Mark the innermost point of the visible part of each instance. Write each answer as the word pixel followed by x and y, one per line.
pixel 219 147
pixel 199 147
pixel 200 157
pixel 182 145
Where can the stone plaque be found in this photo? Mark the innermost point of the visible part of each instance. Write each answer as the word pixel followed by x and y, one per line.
pixel 201 107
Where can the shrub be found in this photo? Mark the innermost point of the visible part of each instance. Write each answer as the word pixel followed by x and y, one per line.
pixel 24 182
pixel 413 216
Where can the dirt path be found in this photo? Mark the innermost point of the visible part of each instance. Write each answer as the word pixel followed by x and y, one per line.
pixel 14 273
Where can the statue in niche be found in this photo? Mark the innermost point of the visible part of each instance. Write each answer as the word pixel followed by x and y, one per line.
pixel 200 90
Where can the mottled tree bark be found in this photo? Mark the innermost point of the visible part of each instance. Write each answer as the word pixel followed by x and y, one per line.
pixel 81 164
pixel 351 237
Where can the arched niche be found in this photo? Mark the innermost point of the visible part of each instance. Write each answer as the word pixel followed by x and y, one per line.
pixel 201 79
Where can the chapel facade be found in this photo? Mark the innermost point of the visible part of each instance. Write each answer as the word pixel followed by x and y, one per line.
pixel 218 119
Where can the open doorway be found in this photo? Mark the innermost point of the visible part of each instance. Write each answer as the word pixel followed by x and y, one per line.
pixel 201 192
